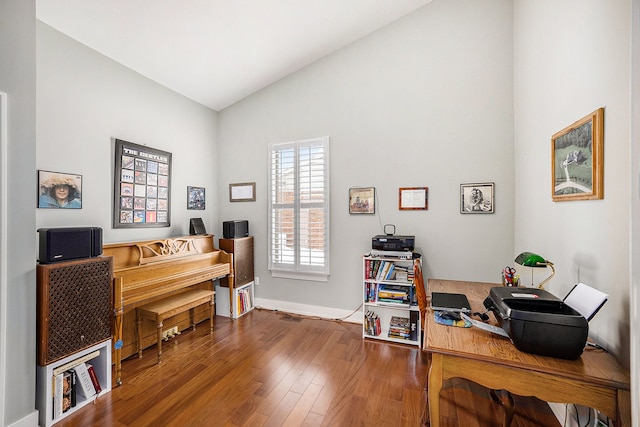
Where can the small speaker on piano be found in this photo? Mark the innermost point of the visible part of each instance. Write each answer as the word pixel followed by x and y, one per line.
pixel 63 244
pixel 196 226
pixel 235 229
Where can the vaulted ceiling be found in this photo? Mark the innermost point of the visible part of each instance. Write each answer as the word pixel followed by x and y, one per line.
pixel 217 52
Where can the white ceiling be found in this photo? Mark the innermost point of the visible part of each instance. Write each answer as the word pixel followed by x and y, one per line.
pixel 217 52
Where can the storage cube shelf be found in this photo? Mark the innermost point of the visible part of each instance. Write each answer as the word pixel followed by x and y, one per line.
pixel 241 302
pixel 45 380
pixel 390 310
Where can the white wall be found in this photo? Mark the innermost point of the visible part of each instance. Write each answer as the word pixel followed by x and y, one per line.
pixel 426 101
pixel 85 100
pixel 17 286
pixel 635 207
pixel 572 57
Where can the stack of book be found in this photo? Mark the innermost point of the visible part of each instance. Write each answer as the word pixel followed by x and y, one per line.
pixel 399 327
pixel 372 324
pixel 403 274
pixel 394 294
pixel 74 382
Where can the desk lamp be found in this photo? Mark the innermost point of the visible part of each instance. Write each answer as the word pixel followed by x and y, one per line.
pixel 529 259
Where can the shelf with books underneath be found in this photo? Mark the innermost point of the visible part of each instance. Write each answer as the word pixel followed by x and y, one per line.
pixel 70 383
pixel 390 310
pixel 243 301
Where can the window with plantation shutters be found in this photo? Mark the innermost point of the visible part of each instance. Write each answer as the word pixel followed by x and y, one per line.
pixel 299 209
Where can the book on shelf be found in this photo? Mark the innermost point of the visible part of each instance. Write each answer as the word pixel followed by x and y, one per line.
pixel 371 290
pixel 399 327
pixel 243 300
pixel 384 270
pixel 74 387
pixel 64 392
pixel 84 384
pixel 57 395
pixel 414 319
pixel 395 294
pixel 372 324
pixel 94 378
pixel 67 388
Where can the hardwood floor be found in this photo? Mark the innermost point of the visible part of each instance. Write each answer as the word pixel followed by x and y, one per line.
pixel 274 369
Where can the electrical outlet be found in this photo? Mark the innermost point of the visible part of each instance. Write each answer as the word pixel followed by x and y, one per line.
pixel 256 279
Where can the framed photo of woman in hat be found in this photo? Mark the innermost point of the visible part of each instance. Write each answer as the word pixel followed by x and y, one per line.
pixel 59 190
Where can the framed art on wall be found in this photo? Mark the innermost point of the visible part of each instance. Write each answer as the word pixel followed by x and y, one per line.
pixel 577 160
pixel 195 198
pixel 413 198
pixel 59 190
pixel 142 186
pixel 242 192
pixel 362 200
pixel 477 198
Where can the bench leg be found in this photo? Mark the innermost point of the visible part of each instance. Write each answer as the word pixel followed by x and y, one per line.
pixel 192 315
pixel 159 333
pixel 212 313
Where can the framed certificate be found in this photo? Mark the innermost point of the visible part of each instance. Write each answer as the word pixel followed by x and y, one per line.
pixel 242 192
pixel 413 198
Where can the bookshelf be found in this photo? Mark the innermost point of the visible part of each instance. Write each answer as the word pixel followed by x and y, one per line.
pixel 391 311
pixel 98 356
pixel 238 302
pixel 240 296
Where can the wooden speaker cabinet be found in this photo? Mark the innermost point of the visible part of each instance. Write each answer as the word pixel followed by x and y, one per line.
pixel 242 250
pixel 74 306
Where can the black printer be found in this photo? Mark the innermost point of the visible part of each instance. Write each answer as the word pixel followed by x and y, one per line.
pixel 537 322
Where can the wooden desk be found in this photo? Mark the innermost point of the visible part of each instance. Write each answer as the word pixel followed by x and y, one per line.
pixel 595 379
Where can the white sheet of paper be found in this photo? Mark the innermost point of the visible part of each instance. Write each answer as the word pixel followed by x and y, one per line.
pixel 242 192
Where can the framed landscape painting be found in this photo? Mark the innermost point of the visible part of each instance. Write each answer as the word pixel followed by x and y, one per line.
pixel 577 160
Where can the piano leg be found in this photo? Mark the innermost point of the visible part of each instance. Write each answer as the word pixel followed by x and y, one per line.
pixel 139 324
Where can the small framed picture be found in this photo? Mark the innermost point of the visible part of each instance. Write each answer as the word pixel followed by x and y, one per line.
pixel 362 200
pixel 477 198
pixel 195 198
pixel 59 190
pixel 413 198
pixel 242 192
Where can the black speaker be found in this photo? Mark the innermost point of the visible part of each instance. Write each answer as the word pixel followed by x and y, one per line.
pixel 235 229
pixel 63 244
pixel 196 226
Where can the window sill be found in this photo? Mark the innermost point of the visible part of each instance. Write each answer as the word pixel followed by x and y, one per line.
pixel 314 277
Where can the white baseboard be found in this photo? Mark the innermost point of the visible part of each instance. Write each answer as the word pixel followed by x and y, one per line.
pixel 30 420
pixel 310 310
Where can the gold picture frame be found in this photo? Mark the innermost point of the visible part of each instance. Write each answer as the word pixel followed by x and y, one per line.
pixel 577 160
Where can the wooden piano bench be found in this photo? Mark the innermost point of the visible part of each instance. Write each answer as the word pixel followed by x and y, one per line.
pixel 162 309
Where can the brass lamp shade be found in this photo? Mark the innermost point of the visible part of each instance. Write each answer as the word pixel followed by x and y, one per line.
pixel 529 259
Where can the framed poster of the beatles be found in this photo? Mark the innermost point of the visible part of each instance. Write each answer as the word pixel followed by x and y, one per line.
pixel 142 190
